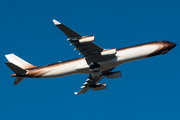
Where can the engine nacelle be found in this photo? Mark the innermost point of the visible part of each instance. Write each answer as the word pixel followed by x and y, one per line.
pixel 100 86
pixel 87 39
pixel 108 52
pixel 114 75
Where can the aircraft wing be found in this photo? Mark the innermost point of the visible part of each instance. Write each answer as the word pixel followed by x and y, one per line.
pixel 84 44
pixel 90 82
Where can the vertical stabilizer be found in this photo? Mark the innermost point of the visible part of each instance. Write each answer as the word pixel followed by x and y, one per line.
pixel 18 66
pixel 18 61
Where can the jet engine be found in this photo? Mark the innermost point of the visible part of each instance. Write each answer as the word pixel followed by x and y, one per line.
pixel 87 39
pixel 108 52
pixel 100 86
pixel 114 75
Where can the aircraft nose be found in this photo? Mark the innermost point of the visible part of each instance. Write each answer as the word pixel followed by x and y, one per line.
pixel 170 45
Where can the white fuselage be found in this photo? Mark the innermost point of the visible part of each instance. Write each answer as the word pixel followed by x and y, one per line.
pixel 122 56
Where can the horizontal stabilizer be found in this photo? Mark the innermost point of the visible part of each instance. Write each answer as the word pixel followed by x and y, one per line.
pixel 67 31
pixel 18 80
pixel 16 69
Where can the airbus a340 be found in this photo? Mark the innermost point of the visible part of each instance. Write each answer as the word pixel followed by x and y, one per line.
pixel 97 62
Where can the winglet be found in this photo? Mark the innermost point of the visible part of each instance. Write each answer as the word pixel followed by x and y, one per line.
pixel 75 93
pixel 82 87
pixel 56 22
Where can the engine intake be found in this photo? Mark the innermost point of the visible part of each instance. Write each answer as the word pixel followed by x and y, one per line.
pixel 100 86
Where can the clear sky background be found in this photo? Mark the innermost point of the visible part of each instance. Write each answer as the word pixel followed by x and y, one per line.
pixel 148 89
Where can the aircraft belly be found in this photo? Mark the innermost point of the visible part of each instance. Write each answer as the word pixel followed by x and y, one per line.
pixel 60 71
pixel 82 67
pixel 112 63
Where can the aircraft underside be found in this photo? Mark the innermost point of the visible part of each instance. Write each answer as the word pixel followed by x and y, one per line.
pixel 97 62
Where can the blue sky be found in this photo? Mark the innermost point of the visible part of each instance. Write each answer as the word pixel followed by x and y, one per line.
pixel 148 89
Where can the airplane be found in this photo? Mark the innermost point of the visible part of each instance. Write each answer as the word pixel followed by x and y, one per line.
pixel 97 61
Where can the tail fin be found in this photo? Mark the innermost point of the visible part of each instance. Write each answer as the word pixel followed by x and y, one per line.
pixel 18 66
pixel 18 61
